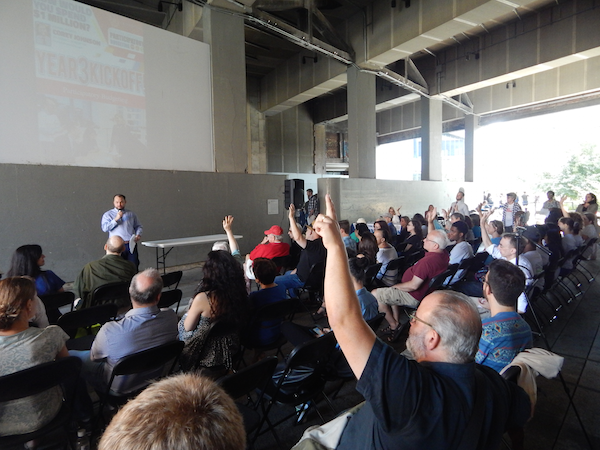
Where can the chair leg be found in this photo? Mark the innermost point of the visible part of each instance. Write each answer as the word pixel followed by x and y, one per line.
pixel 572 404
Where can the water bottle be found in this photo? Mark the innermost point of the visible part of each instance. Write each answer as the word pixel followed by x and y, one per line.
pixel 83 442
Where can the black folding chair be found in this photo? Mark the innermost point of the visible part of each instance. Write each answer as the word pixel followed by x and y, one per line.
pixel 150 360
pixel 35 380
pixel 172 278
pixel 393 265
pixel 169 298
pixel 117 293
pixel 376 321
pixel 53 302
pixel 437 282
pixel 276 311
pixel 371 274
pixel 73 321
pixel 301 379
pixel 250 380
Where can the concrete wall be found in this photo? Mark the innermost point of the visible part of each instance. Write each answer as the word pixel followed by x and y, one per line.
pixel 60 208
pixel 290 143
pixel 358 197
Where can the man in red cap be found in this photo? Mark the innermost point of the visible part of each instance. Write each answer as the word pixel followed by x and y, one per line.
pixel 272 245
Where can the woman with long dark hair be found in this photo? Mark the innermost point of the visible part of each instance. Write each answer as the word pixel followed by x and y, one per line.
pixel 28 260
pixel 414 241
pixel 221 296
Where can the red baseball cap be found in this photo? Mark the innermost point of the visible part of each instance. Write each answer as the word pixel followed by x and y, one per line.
pixel 275 229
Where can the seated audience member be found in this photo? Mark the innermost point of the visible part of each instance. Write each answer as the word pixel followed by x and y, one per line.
pixel 590 231
pixel 187 412
pixel 348 241
pixel 507 249
pixel 395 215
pixel 566 225
pixel 312 253
pixel 495 230
pixel 531 236
pixel 265 272
pixel 143 327
pixel 589 205
pixel 421 219
pixel 382 225
pixel 385 254
pixel 355 235
pixel 111 268
pixel 415 281
pixel 414 239
pixel 470 236
pixel 403 230
pixel 28 260
pixel 388 219
pixel 462 249
pixel 505 333
pixel 271 246
pixel 22 347
pixel 476 225
pixel 367 247
pixel 425 403
pixel 221 295
pixel 368 302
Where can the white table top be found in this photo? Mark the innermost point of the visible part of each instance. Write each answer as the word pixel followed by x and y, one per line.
pixel 180 242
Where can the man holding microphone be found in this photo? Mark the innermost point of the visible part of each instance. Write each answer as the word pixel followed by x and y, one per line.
pixel 125 224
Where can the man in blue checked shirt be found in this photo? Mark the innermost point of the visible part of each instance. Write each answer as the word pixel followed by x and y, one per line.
pixel 125 224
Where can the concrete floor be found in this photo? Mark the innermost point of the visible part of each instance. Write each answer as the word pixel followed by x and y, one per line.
pixel 574 335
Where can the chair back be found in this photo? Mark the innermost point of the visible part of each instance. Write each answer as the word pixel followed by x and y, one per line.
pixel 117 293
pixel 169 298
pixel 436 282
pixel 85 318
pixel 463 265
pixel 316 277
pixel 276 310
pixel 413 257
pixel 54 301
pixel 282 262
pixel 172 278
pixel 249 378
pixel 452 269
pixel 371 272
pixel 313 353
pixel 146 360
pixel 40 378
pixel 376 321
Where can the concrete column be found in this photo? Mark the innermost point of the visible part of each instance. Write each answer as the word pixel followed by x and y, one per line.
pixel 431 139
pixel 362 138
pixel 471 124
pixel 320 149
pixel 225 35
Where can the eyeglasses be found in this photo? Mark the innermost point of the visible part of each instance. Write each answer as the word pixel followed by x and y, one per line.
pixel 412 317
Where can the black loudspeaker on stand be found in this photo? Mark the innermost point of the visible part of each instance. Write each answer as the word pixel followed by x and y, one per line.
pixel 294 193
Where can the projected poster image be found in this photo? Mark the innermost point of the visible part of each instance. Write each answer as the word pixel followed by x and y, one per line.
pixel 90 84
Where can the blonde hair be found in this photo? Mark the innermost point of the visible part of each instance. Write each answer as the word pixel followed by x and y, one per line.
pixel 14 294
pixel 186 412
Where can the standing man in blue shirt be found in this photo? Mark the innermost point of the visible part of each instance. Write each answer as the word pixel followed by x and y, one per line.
pixel 125 224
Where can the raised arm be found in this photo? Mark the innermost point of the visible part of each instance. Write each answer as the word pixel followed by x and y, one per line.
pixel 431 216
pixel 355 337
pixel 296 233
pixel 484 216
pixel 227 222
pixel 562 206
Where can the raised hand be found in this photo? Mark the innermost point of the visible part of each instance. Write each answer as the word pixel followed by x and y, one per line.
pixel 327 226
pixel 227 221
